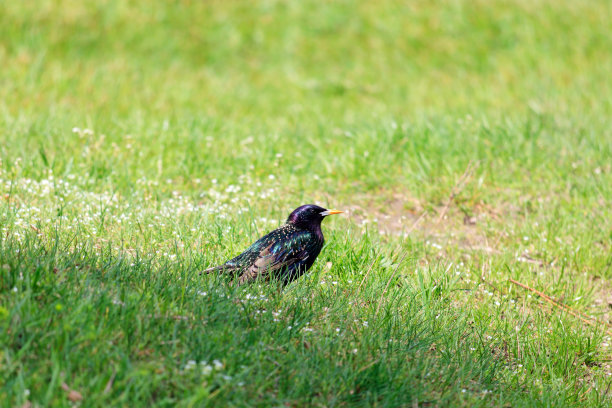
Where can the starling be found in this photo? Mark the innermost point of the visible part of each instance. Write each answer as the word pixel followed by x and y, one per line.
pixel 285 253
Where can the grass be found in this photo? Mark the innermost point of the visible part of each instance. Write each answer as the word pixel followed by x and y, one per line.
pixel 142 142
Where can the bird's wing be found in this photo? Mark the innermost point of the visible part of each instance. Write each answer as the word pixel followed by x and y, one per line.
pixel 282 254
pixel 244 260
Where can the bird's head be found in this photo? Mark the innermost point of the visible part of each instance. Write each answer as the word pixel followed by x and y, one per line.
pixel 309 215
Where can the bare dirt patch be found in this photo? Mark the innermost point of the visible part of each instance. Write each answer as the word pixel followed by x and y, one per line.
pixel 399 214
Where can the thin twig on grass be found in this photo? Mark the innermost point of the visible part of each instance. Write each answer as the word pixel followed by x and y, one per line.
pixel 486 282
pixel 586 319
pixel 414 224
pixel 456 190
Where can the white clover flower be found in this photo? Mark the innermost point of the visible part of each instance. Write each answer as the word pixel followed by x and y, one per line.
pixel 205 368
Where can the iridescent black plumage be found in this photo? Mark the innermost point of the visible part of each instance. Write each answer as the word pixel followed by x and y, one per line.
pixel 287 252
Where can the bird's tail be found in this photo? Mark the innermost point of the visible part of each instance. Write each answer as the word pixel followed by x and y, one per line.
pixel 220 268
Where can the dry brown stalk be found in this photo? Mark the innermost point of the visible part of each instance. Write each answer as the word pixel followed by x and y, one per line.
pixel 586 319
pixel 456 190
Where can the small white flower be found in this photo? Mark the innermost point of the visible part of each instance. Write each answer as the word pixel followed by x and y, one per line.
pixel 205 368
pixel 218 365
pixel 117 302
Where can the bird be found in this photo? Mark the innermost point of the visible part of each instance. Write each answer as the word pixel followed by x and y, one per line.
pixel 285 253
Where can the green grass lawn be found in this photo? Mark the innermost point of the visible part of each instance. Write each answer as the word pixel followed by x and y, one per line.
pixel 470 143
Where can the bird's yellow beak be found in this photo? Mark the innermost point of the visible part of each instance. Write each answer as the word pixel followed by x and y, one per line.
pixel 331 212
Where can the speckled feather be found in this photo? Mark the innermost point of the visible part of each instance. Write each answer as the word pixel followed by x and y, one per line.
pixel 286 253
